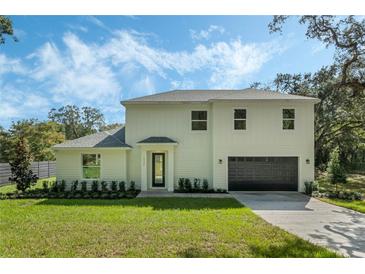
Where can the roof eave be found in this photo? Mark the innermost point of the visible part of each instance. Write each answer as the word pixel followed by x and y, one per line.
pixel 81 148
pixel 314 100
pixel 124 103
pixel 157 144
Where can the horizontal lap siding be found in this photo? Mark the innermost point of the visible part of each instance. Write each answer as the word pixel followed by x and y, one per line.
pixel 192 155
pixel 69 164
pixel 263 137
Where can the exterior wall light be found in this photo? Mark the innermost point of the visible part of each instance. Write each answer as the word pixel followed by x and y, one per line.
pixel 220 161
pixel 308 161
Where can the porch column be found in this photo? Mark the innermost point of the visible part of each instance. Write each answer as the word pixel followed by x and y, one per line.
pixel 143 169
pixel 170 175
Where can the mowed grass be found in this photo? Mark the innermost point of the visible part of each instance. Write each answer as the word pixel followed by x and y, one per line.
pixel 11 187
pixel 354 205
pixel 355 182
pixel 145 227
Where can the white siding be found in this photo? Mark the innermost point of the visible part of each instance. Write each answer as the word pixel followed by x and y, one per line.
pixel 198 152
pixel 193 152
pixel 263 136
pixel 113 166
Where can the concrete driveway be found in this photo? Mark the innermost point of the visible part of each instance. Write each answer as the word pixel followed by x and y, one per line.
pixel 337 228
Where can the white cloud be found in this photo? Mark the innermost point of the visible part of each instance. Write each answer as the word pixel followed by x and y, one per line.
pixel 9 65
pixel 78 28
pixel 77 72
pixel 92 73
pixel 207 33
pixel 227 62
pixel 317 48
pixel 8 111
pixel 97 22
pixel 144 86
pixel 184 84
pixel 15 103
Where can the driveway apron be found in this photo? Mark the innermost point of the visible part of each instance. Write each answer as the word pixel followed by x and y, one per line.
pixel 340 229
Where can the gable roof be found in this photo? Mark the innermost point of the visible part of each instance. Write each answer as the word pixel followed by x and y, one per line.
pixel 176 96
pixel 105 139
pixel 157 140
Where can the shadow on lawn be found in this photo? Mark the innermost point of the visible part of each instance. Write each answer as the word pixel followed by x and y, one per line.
pixel 155 203
pixel 290 248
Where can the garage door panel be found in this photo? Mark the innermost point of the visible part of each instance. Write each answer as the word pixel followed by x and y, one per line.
pixel 263 173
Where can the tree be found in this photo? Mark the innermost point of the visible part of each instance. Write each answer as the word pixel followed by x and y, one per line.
pixel 41 136
pixel 110 126
pixel 340 116
pixel 6 28
pixel 77 123
pixel 347 36
pixel 336 173
pixel 21 174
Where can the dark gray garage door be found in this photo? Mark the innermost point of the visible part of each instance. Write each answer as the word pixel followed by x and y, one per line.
pixel 263 173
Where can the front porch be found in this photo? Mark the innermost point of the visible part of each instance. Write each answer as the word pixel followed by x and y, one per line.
pixel 157 164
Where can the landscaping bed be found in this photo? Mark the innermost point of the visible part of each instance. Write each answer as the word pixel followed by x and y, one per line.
pixel 349 195
pixel 185 185
pixel 84 190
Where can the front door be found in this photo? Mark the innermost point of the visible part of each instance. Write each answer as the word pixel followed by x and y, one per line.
pixel 158 170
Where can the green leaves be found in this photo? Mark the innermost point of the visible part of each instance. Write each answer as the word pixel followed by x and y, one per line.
pixel 77 122
pixel 6 27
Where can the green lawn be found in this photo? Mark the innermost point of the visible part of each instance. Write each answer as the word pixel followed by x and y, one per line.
pixel 354 205
pixel 11 187
pixel 147 227
pixel 355 182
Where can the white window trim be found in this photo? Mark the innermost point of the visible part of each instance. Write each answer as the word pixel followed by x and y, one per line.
pixel 239 119
pixel 82 167
pixel 288 119
pixel 191 121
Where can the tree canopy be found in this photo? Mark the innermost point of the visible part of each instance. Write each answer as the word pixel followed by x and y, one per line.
pixel 340 116
pixel 77 122
pixel 6 28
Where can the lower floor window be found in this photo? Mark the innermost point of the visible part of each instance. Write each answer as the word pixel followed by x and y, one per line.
pixel 91 166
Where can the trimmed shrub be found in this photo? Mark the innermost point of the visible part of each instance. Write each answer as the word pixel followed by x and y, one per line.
pixel 74 186
pixel 187 185
pixel 205 185
pixel 196 184
pixel 62 186
pixel 121 186
pixel 95 186
pixel 310 187
pixel 83 186
pixel 132 186
pixel 181 184
pixel 113 186
pixel 104 186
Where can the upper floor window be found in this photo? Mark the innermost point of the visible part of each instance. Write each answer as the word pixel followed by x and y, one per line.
pixel 91 166
pixel 288 118
pixel 239 119
pixel 199 120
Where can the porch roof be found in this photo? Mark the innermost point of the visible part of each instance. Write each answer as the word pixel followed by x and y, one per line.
pixel 157 140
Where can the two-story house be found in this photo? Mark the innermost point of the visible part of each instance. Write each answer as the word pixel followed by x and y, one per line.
pixel 236 139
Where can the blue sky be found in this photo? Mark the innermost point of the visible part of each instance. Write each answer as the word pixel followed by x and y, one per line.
pixel 100 60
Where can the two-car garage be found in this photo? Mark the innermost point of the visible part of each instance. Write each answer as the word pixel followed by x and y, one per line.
pixel 263 173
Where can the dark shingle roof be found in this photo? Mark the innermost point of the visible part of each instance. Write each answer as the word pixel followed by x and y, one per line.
pixel 157 140
pixel 216 95
pixel 104 139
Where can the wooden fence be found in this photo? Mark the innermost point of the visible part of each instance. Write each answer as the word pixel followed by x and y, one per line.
pixel 43 169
